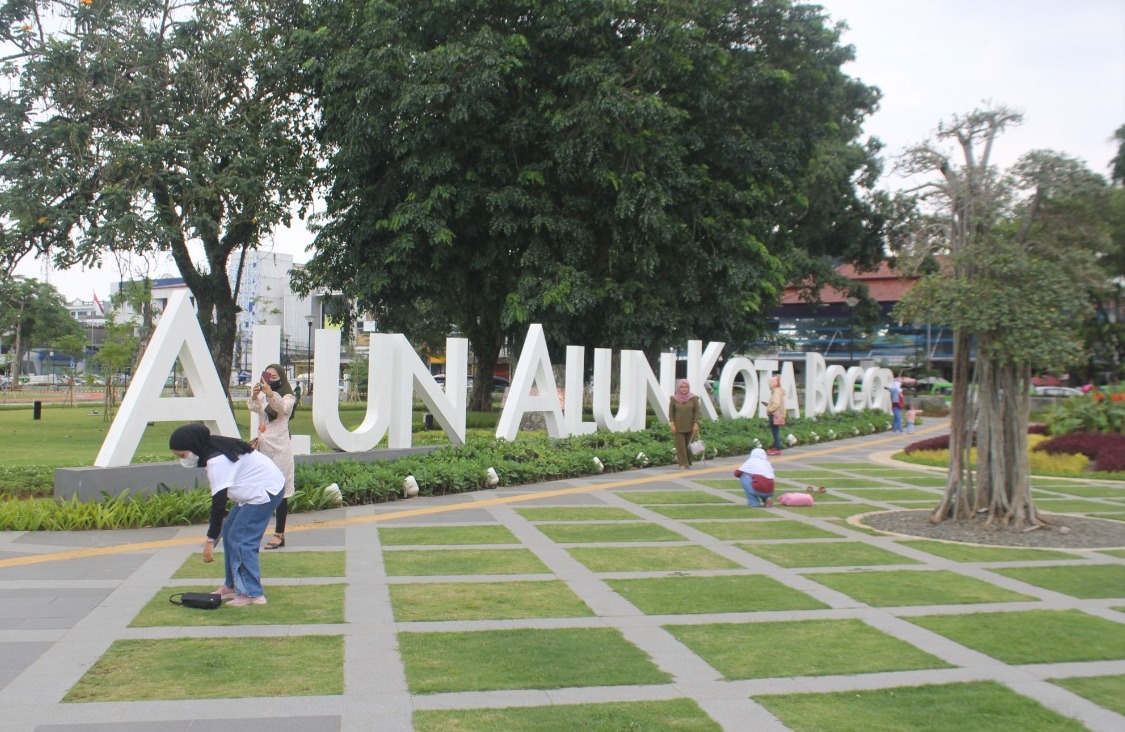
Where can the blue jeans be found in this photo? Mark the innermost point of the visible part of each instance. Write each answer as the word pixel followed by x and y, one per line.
pixel 896 426
pixel 242 541
pixel 776 429
pixel 753 497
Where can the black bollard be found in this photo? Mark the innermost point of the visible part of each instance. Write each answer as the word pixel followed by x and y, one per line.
pixel 37 410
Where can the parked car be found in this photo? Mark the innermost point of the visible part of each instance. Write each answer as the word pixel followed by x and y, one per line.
pixel 1056 391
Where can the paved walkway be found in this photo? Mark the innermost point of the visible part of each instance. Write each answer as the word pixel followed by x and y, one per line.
pixel 66 597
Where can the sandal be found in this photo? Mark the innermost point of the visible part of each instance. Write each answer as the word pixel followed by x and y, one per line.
pixel 277 543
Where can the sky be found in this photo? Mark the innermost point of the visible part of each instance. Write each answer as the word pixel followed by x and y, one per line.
pixel 1060 62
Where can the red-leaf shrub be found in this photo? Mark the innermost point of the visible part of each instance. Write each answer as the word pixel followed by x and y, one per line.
pixel 941 442
pixel 1038 428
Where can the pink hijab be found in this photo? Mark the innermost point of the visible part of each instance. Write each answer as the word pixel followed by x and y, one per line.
pixel 683 398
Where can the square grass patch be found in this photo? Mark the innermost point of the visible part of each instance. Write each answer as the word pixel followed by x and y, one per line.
pixel 431 562
pixel 836 482
pixel 288 605
pixel 1105 691
pixel 899 588
pixel 485 601
pixel 980 706
pixel 762 529
pixel 1087 491
pixel 674 715
pixel 819 497
pixel 1064 505
pixel 810 476
pixel 826 554
pixel 894 494
pixel 969 553
pixel 830 510
pixel 1112 516
pixel 607 533
pixel 1099 581
pixel 576 513
pixel 445 535
pixel 650 559
pixel 214 668
pixel 805 648
pixel 529 658
pixel 730 511
pixel 726 594
pixel 291 565
pixel 924 481
pixel 1114 552
pixel 663 498
pixel 1033 636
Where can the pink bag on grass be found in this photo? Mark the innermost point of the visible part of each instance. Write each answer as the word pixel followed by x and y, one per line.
pixel 795 499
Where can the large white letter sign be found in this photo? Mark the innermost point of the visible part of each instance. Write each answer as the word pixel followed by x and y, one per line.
pixel 177 335
pixel 576 392
pixel 412 375
pixel 818 390
pixel 533 372
pixel 630 399
pixel 731 370
pixel 700 364
pixel 326 393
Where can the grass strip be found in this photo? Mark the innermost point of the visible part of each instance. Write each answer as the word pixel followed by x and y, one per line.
pixel 673 715
pixel 901 588
pixel 485 601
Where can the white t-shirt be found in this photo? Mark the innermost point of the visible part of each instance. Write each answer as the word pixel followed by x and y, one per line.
pixel 252 479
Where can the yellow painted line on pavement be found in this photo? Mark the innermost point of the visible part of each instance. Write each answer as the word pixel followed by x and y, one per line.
pixel 432 510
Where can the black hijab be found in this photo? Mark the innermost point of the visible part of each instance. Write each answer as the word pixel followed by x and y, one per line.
pixel 198 439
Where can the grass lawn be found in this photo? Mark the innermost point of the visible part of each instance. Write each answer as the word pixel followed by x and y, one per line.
pixel 830 510
pixel 288 605
pixel 291 565
pixel 969 553
pixel 981 706
pixel 660 498
pixel 431 562
pixel 1088 583
pixel 576 513
pixel 214 668
pixel 1033 636
pixel 894 494
pixel 804 648
pixel 485 601
pixel 826 554
pixel 607 533
pixel 1069 505
pixel 725 594
pixel 729 511
pixel 445 535
pixel 523 659
pixel 649 558
pixel 1085 491
pixel 762 529
pixel 1105 691
pixel 900 588
pixel 674 715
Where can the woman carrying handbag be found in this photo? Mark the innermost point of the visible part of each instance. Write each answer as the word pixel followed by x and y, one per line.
pixel 683 415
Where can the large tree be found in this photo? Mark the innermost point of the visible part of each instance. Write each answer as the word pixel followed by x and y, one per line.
pixel 630 174
pixel 1020 261
pixel 153 126
pixel 33 314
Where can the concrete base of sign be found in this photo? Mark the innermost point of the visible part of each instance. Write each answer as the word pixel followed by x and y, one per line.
pixel 89 484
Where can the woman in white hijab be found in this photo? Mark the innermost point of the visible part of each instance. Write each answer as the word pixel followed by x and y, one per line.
pixel 756 475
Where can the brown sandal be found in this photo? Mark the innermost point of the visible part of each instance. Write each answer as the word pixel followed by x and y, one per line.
pixel 277 543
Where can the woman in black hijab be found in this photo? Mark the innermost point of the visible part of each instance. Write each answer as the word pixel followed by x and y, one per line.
pixel 255 485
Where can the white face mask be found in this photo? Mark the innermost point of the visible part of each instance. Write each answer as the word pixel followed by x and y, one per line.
pixel 192 461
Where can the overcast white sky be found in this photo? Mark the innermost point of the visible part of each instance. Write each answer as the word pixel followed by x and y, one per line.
pixel 1060 62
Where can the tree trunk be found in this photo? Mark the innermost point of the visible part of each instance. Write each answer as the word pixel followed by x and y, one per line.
pixel 957 501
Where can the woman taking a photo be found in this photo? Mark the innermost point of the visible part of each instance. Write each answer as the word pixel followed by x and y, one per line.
pixel 273 401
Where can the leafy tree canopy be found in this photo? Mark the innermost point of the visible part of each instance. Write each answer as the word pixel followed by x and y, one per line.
pixel 141 126
pixel 631 174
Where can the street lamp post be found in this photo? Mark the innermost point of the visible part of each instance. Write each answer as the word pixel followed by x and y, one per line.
pixel 308 369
